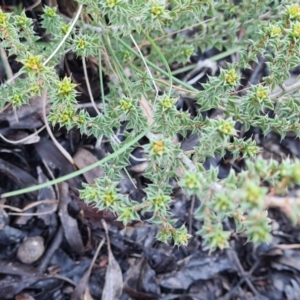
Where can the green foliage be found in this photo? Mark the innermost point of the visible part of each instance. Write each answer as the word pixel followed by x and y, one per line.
pixel 259 28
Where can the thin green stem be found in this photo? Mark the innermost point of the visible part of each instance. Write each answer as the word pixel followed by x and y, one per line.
pixel 162 57
pixel 79 172
pixel 118 65
pixel 158 69
pixel 5 63
pixel 147 68
pixel 80 7
pixel 213 58
pixel 101 80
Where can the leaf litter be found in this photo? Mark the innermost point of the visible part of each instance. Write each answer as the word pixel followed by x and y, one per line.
pixel 113 286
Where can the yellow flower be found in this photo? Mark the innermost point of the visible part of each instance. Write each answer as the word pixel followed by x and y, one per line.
pixel 111 3
pixel 33 63
pixel 296 30
pixel 3 18
pixel 157 10
pixel 293 11
pixel 275 31
pixel 109 198
pixel 167 103
pixel 261 93
pixel 126 105
pixel 231 77
pixel 158 148
pixel 227 127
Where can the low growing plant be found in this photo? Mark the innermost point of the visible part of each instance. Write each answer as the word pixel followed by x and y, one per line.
pixel 139 41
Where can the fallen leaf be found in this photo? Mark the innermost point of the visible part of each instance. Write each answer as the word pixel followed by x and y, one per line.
pixel 84 158
pixel 24 296
pixel 113 286
pixel 16 174
pixel 44 194
pixel 27 117
pixel 144 104
pixel 140 283
pixel 197 267
pixel 16 277
pixel 82 287
pixel 69 224
pixel 55 160
pixel 87 294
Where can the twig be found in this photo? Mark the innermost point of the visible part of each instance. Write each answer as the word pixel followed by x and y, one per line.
pixel 286 90
pixel 52 177
pixel 31 205
pixel 34 214
pixel 147 68
pixel 287 247
pixel 81 171
pixel 191 213
pixel 66 35
pixel 57 276
pixel 33 5
pixel 24 139
pixel 187 162
pixel 89 87
pixel 245 275
pixel 274 201
pixel 57 144
pixel 55 243
pixel 83 283
pixel 57 48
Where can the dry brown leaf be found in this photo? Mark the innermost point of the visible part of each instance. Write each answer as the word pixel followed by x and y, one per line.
pixel 113 286
pixel 87 294
pixel 69 224
pixel 145 106
pixel 83 158
pixel 24 296
pixel 45 194
pixel 82 287
pixel 28 116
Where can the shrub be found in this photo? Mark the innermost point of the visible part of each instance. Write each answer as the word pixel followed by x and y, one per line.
pixel 147 38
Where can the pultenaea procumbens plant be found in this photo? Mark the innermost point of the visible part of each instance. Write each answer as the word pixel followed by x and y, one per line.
pixel 138 41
